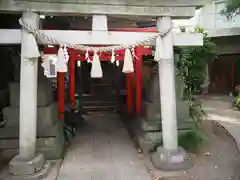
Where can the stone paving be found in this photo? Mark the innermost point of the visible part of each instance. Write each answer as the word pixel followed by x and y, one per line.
pixel 220 110
pixel 102 150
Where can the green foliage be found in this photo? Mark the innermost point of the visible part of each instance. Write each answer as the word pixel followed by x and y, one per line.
pixel 232 8
pixel 191 141
pixel 237 102
pixel 194 140
pixel 196 111
pixel 191 70
pixel 192 64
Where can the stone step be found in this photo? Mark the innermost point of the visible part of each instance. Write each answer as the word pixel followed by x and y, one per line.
pixel 99 103
pixel 97 97
pixel 99 112
pixel 99 108
pixel 101 85
pixel 96 103
pixel 101 91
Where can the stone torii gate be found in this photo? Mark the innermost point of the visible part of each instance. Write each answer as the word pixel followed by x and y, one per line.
pixel 28 165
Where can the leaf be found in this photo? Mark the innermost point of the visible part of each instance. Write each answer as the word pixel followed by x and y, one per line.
pixel 232 8
pixel 193 61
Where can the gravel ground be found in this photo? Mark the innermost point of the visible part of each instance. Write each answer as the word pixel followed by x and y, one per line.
pixel 219 161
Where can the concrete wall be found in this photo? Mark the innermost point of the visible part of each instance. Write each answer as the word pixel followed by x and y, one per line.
pixel 175 8
pixel 130 2
pixel 215 23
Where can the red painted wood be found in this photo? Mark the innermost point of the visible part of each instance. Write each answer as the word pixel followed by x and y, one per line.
pixel 61 93
pixel 50 50
pixel 102 58
pixel 72 85
pixel 129 93
pixel 138 71
pixel 105 56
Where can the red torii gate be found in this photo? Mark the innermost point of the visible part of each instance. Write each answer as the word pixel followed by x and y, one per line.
pixel 79 55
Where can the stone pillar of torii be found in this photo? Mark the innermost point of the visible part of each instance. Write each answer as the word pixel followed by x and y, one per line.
pixel 170 156
pixel 28 163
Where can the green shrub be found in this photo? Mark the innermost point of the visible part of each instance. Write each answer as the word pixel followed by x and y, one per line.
pixel 237 103
pixel 192 141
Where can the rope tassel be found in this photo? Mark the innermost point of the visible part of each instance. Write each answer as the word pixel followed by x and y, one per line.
pixel 61 65
pixel 31 51
pixel 159 51
pixel 87 57
pixel 96 70
pixel 113 56
pixel 117 63
pixel 128 62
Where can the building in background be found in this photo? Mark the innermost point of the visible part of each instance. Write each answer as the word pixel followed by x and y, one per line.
pixel 224 71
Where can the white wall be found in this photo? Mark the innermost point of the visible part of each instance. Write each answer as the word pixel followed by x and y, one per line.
pixel 211 18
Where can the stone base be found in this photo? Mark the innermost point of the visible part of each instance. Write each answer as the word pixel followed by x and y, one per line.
pixel 12 132
pixel 46 115
pixel 52 147
pixel 145 145
pixel 4 97
pixel 50 153
pixel 156 125
pixel 170 160
pixel 44 93
pixel 152 111
pixel 150 126
pixel 147 140
pixel 35 169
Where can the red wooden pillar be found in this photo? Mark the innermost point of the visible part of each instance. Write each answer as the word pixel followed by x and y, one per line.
pixel 72 80
pixel 61 93
pixel 129 93
pixel 138 69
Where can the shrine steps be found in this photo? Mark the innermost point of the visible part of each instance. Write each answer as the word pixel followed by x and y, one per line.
pixel 99 103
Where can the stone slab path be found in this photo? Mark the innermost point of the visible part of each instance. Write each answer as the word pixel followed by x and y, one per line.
pixel 102 150
pixel 219 109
